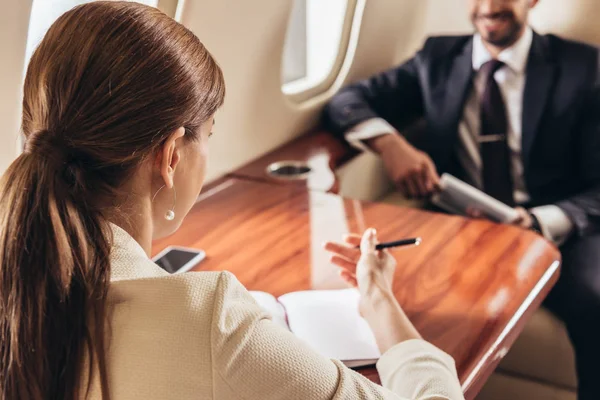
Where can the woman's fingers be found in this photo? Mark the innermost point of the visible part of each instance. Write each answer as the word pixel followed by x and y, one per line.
pixel 349 278
pixel 384 254
pixel 353 239
pixel 343 263
pixel 351 253
pixel 346 256
pixel 368 242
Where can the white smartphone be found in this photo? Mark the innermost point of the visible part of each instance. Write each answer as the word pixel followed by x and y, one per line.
pixel 176 259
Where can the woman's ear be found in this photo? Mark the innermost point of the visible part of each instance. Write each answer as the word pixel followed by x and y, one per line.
pixel 170 156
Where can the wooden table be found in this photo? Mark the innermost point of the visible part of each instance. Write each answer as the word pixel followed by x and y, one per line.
pixel 469 288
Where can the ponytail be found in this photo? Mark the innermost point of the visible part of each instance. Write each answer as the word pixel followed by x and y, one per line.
pixel 91 118
pixel 54 275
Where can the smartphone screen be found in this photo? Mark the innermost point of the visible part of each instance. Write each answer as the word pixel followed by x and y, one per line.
pixel 179 260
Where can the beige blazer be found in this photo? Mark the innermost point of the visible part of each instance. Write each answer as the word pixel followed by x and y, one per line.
pixel 200 335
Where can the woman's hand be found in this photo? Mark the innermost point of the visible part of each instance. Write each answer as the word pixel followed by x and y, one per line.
pixel 372 272
pixel 364 267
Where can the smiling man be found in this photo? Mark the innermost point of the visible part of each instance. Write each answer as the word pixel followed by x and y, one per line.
pixel 515 114
pixel 500 27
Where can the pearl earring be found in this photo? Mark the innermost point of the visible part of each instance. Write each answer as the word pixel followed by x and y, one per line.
pixel 170 214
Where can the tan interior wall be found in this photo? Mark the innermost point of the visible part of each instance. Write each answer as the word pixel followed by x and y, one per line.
pixel 574 19
pixel 14 19
pixel 247 39
pixel 447 17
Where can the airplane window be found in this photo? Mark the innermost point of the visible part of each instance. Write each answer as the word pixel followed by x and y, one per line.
pixel 45 12
pixel 312 43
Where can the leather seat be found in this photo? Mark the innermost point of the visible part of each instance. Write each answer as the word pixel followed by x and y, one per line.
pixel 543 353
pixel 506 387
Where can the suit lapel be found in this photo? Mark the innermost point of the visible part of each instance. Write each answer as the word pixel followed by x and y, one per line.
pixel 541 73
pixel 458 84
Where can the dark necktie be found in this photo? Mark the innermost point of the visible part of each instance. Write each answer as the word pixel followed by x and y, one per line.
pixel 495 155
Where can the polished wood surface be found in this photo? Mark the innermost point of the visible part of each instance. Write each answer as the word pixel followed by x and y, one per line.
pixel 319 150
pixel 469 287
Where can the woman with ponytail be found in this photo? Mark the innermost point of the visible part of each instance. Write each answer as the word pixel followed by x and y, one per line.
pixel 118 106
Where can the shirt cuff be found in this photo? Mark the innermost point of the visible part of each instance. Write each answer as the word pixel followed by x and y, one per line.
pixel 368 129
pixel 555 225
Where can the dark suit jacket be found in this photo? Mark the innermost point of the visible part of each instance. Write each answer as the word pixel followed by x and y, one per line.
pixel 561 115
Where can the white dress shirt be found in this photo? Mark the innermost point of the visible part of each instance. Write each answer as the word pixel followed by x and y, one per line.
pixel 555 224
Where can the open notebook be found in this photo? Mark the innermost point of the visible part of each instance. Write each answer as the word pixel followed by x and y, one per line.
pixel 328 321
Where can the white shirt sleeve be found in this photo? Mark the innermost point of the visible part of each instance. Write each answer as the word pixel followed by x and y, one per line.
pixel 417 369
pixel 368 129
pixel 554 223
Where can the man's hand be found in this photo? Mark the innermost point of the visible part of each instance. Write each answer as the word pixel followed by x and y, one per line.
pixel 410 169
pixel 525 219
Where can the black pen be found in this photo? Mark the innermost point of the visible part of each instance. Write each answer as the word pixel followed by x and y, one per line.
pixel 397 243
pixel 404 242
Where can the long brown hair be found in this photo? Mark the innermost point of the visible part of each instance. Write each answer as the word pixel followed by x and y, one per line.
pixel 104 89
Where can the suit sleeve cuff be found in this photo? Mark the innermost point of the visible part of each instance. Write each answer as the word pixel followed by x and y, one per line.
pixel 555 225
pixel 368 129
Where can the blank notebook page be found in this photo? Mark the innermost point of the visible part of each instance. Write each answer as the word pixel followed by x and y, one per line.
pixel 329 321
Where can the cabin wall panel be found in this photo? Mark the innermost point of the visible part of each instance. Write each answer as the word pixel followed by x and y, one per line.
pixel 247 39
pixel 14 22
pixel 573 19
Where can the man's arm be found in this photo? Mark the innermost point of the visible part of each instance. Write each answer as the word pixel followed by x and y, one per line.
pixel 364 135
pixel 367 114
pixel 393 96
pixel 583 209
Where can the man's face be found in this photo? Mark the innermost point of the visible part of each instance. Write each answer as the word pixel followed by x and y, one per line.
pixel 500 22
